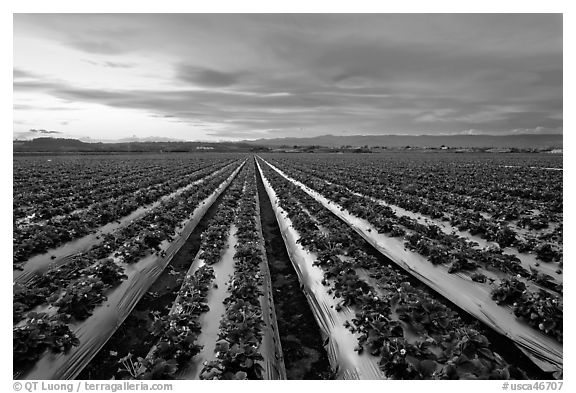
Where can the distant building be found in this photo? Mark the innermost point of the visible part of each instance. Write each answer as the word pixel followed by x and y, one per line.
pixel 204 148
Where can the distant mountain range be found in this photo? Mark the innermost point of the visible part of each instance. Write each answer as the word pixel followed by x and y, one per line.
pixel 62 145
pixel 134 144
pixel 132 139
pixel 521 141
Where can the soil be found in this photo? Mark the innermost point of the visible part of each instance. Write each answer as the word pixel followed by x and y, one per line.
pixel 134 336
pixel 304 355
pixel 501 344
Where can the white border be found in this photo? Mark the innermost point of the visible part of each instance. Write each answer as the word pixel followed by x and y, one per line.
pixel 248 6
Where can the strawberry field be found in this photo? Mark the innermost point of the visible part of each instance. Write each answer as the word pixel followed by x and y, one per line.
pixel 278 266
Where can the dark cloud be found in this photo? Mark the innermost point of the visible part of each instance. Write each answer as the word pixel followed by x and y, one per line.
pixel 107 47
pixel 35 133
pixel 22 107
pixel 361 110
pixel 34 85
pixel 42 131
pixel 206 77
pixel 274 74
pixel 21 74
pixel 110 64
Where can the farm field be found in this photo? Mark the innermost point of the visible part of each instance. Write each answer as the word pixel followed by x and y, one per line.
pixel 396 265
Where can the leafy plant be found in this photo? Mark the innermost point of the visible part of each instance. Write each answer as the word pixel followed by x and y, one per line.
pixel 509 291
pixel 542 311
pixel 80 297
pixel 41 332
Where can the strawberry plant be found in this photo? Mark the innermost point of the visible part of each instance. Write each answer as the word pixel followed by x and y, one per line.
pixel 509 291
pixel 80 297
pixel 543 311
pixel 385 315
pixel 42 332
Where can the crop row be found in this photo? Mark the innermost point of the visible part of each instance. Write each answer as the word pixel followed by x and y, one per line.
pixel 547 274
pixel 178 331
pixel 141 188
pixel 475 181
pixel 38 238
pixel 238 351
pixel 414 335
pixel 75 289
pixel 127 245
pixel 60 186
pixel 426 239
pixel 238 347
pixel 436 188
pixel 546 309
pixel 48 177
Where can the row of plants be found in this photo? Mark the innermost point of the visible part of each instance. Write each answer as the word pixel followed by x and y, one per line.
pixel 503 234
pixel 413 188
pixel 126 245
pixel 241 328
pixel 76 288
pixel 540 310
pixel 177 332
pixel 414 335
pixel 43 333
pixel 499 232
pixel 440 248
pixel 492 214
pixel 428 240
pixel 131 191
pixel 475 182
pixel 60 186
pixel 59 198
pixel 51 177
pixel 56 191
pixel 37 238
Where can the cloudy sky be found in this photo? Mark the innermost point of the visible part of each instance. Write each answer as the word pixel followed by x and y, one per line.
pixel 230 77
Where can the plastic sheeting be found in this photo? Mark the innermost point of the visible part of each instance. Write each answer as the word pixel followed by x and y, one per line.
pixel 472 297
pixel 528 261
pixel 270 349
pixel 95 331
pixel 210 321
pixel 338 340
pixel 40 264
